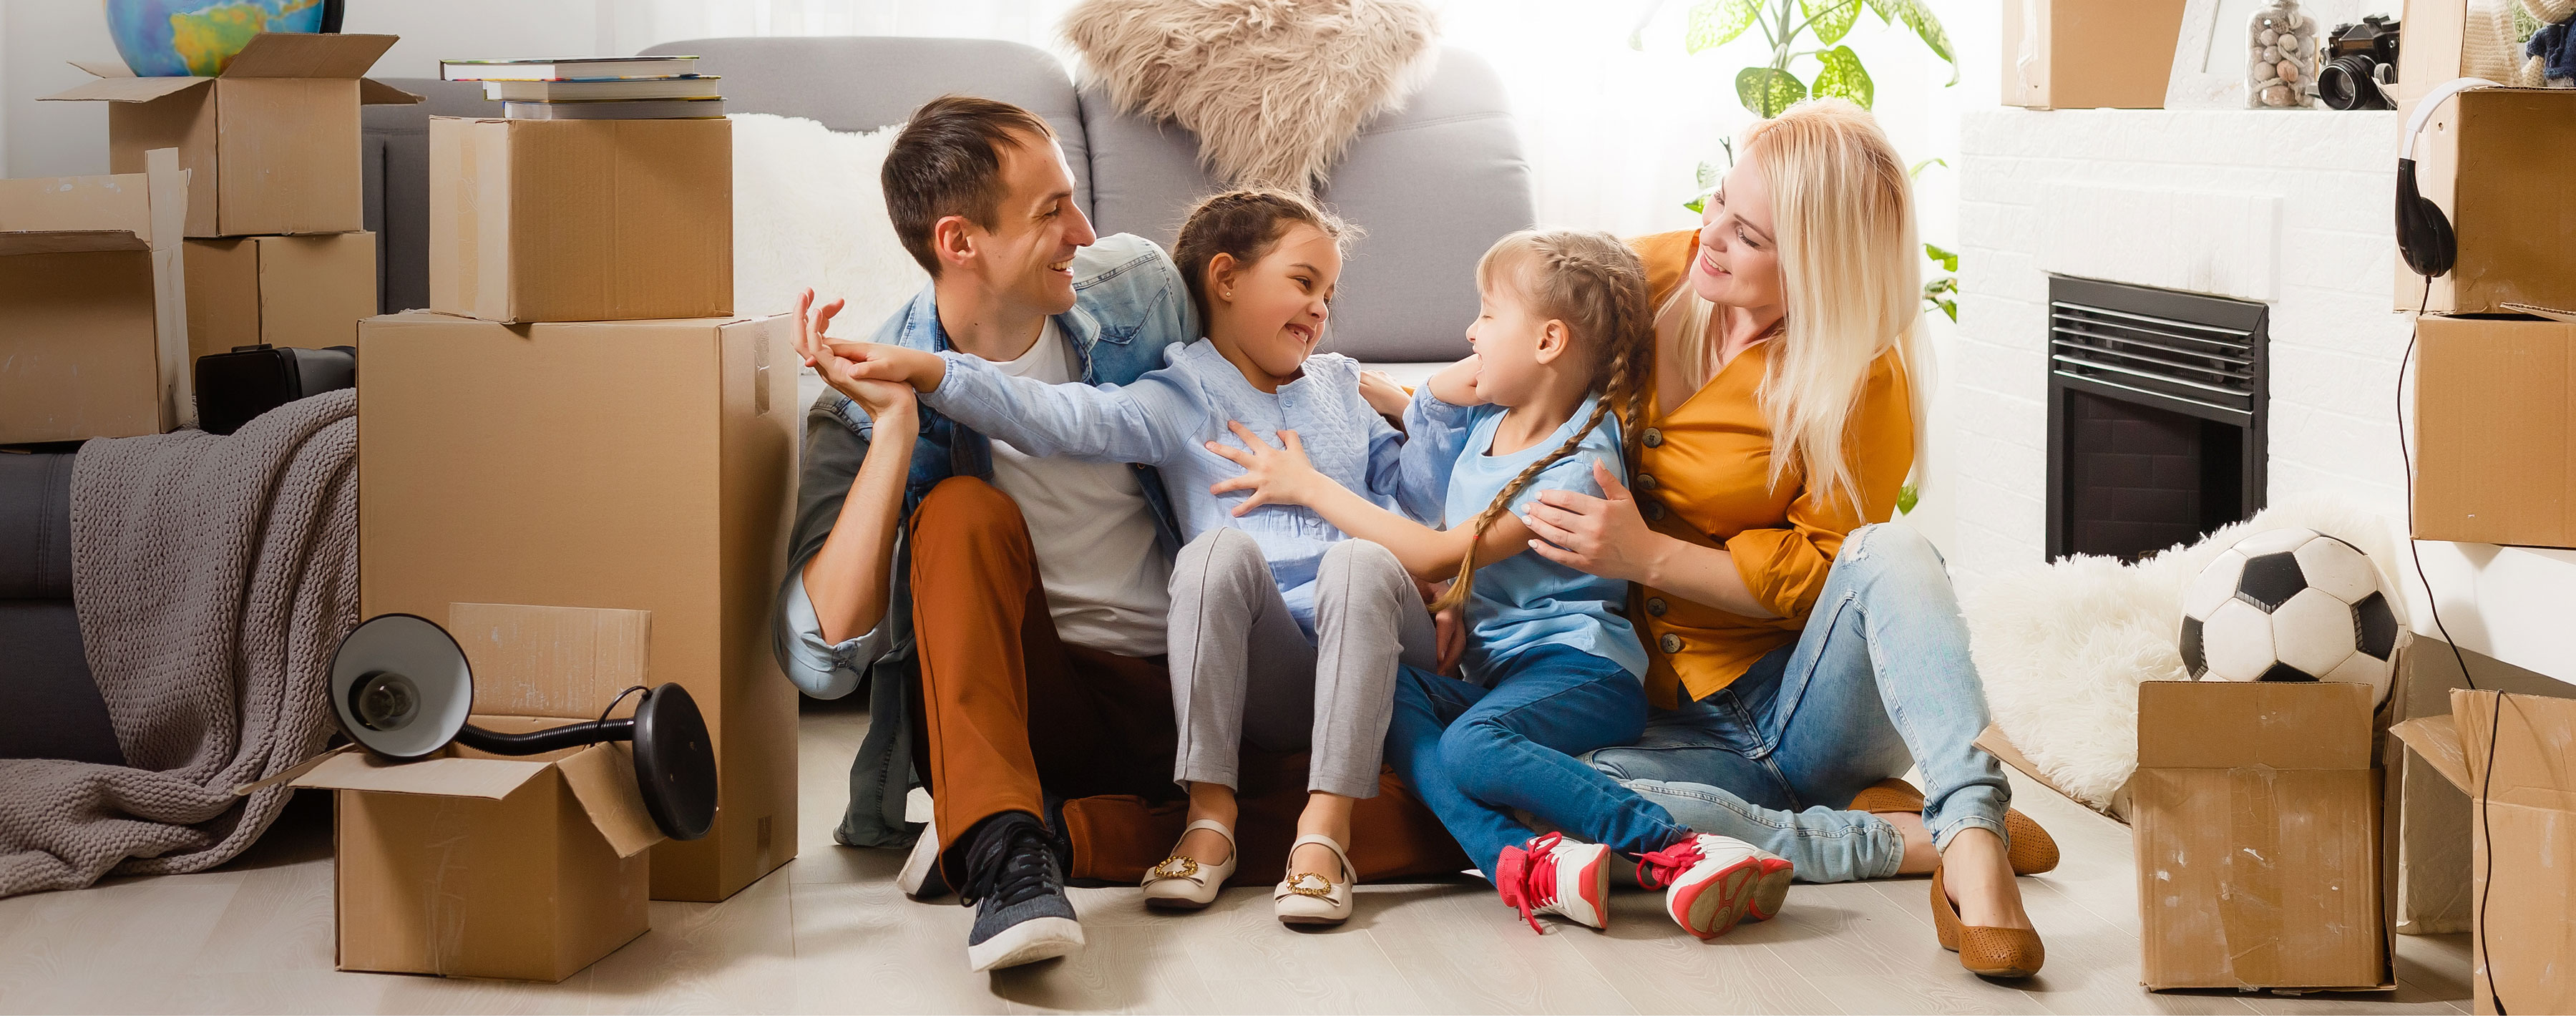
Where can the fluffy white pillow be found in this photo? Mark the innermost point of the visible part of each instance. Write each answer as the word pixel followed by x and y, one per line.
pixel 807 211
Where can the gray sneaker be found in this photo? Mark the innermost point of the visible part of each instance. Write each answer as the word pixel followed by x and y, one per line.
pixel 1017 887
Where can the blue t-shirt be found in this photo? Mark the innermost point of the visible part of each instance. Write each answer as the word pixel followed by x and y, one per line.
pixel 1526 600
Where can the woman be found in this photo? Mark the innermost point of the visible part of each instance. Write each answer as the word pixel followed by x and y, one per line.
pixel 1802 655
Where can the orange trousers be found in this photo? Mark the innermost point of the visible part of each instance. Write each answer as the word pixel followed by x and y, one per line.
pixel 1008 708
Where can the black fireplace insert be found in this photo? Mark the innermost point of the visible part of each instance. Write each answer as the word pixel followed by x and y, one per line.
pixel 2156 407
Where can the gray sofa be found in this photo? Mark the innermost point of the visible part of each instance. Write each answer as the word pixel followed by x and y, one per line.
pixel 1432 184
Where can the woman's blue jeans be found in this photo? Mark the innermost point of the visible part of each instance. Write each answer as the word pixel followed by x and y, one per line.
pixel 1472 753
pixel 1879 679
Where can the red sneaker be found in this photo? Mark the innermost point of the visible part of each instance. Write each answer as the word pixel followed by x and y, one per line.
pixel 1554 875
pixel 1712 882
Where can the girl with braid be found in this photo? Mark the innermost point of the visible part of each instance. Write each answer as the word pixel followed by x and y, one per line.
pixel 1283 630
pixel 1549 402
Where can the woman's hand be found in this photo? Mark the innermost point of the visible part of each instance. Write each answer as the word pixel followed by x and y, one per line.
pixel 1273 475
pixel 883 401
pixel 1379 390
pixel 1603 536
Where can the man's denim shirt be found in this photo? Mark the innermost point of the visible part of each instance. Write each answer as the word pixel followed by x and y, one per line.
pixel 1129 303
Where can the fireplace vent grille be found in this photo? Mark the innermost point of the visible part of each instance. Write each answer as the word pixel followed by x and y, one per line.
pixel 2212 369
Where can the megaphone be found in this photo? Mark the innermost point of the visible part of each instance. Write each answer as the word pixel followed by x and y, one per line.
pixel 402 690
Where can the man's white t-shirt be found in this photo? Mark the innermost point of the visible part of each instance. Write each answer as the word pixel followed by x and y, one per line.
pixel 1107 585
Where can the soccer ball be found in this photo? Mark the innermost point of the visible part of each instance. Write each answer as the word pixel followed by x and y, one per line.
pixel 2291 605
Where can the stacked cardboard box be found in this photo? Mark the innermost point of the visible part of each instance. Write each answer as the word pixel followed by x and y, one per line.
pixel 2515 756
pixel 580 421
pixel 2084 54
pixel 278 252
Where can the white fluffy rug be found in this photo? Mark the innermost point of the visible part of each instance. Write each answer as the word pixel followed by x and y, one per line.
pixel 808 211
pixel 2062 647
pixel 1275 89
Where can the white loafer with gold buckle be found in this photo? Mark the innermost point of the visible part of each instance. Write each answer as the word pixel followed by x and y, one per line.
pixel 1306 897
pixel 1181 883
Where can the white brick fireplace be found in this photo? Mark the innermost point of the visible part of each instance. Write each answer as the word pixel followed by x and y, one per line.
pixel 2291 209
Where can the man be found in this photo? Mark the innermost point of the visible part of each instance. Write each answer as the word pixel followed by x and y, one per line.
pixel 1010 609
pixel 1014 586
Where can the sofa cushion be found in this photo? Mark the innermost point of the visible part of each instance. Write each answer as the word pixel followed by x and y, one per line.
pixel 861 83
pixel 1433 184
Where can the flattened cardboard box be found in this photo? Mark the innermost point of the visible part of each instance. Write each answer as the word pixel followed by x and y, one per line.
pixel 580 220
pixel 93 308
pixel 467 866
pixel 2525 800
pixel 306 291
pixel 2084 54
pixel 2495 161
pixel 271 144
pixel 640 465
pixel 2259 845
pixel 2495 431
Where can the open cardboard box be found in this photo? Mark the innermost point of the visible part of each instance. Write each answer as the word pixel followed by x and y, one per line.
pixel 93 308
pixel 2515 755
pixel 2261 856
pixel 271 144
pixel 475 866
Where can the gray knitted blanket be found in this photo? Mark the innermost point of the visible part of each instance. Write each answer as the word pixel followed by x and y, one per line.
pixel 215 575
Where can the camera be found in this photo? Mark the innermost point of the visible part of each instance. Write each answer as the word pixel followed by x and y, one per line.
pixel 2356 63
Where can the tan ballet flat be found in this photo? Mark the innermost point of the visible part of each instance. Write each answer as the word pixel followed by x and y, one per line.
pixel 1985 952
pixel 2028 846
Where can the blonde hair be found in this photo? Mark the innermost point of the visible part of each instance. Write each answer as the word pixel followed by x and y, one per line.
pixel 1596 286
pixel 1842 208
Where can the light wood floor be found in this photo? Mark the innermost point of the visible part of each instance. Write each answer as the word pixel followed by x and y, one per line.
pixel 829 933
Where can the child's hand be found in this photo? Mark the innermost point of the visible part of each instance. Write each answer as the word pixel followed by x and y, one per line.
pixel 884 402
pixel 1383 394
pixel 1273 475
pixel 1456 383
pixel 880 362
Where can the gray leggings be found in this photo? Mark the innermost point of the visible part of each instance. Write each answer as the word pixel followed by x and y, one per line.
pixel 1242 668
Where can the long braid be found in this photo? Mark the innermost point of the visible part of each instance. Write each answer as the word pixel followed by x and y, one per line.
pixel 1596 284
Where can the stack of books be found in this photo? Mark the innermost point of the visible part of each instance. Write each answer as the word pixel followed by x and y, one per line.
pixel 594 88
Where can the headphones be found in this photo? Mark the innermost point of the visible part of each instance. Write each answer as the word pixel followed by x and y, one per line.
pixel 2423 233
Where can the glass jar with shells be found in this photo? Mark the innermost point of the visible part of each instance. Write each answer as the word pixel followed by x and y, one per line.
pixel 2282 47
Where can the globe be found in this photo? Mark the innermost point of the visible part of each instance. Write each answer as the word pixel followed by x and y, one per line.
pixel 176 38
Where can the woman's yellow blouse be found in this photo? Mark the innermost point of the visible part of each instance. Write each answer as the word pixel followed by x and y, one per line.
pixel 1702 475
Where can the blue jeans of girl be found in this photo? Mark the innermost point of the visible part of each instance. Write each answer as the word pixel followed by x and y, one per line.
pixel 1879 680
pixel 1475 753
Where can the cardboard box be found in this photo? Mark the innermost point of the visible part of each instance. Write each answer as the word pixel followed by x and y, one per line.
pixel 2512 212
pixel 474 866
pixel 580 220
pixel 270 145
pixel 93 309
pixel 2259 844
pixel 2515 756
pixel 306 291
pixel 640 465
pixel 2083 54
pixel 2495 431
